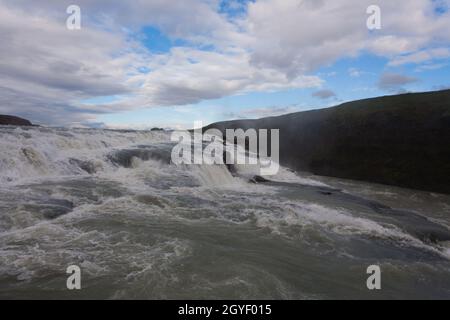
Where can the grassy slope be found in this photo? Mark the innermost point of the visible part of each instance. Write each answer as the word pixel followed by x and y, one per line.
pixel 14 121
pixel 401 140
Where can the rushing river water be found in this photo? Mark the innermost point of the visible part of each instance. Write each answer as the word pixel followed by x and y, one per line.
pixel 140 227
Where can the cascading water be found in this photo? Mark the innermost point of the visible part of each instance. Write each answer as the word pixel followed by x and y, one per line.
pixel 138 226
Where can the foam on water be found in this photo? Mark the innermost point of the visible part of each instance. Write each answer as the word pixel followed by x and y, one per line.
pixel 145 227
pixel 42 152
pixel 338 221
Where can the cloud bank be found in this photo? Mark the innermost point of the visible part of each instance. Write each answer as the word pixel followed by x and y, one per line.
pixel 51 75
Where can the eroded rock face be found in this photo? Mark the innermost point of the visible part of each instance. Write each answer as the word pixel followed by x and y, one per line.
pixel 14 121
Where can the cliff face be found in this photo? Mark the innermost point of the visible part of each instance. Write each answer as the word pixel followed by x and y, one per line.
pixel 14 121
pixel 399 140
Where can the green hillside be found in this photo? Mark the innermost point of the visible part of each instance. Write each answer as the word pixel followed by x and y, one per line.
pixel 401 140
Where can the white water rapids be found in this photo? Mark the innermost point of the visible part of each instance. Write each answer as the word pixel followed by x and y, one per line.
pixel 140 227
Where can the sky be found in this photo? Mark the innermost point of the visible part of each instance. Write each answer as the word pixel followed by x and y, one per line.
pixel 156 63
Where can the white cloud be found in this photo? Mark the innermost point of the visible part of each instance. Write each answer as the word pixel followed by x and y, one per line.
pixel 299 36
pixel 263 112
pixel 431 66
pixel 190 75
pixel 421 56
pixel 394 82
pixel 276 45
pixel 324 94
pixel 270 111
pixel 354 72
pixel 44 68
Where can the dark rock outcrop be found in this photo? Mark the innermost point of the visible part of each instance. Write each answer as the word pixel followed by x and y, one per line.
pixel 50 208
pixel 258 179
pixel 124 158
pixel 14 121
pixel 401 140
